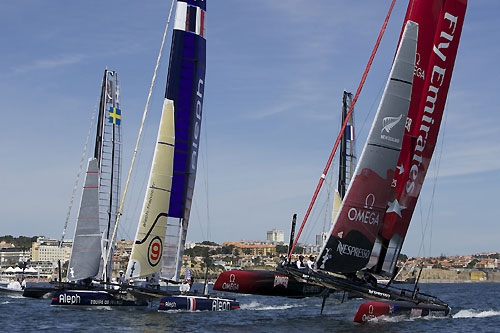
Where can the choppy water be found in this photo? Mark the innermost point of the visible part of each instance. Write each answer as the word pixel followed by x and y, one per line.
pixel 475 307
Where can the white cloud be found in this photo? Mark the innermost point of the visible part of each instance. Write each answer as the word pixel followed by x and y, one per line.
pixel 50 63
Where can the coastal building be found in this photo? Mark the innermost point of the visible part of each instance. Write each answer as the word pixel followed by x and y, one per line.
pixel 121 256
pixel 46 249
pixel 12 255
pixel 321 238
pixel 263 250
pixel 275 235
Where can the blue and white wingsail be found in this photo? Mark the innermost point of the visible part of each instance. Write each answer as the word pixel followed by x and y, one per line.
pixel 86 253
pixel 160 241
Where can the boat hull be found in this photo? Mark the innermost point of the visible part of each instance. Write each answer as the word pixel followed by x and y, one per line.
pixel 197 303
pixel 370 310
pixel 93 298
pixel 268 283
pixel 10 291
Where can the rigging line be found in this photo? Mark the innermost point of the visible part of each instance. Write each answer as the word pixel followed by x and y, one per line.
pixel 358 91
pixel 140 129
pixel 84 153
pixel 206 176
pixel 436 174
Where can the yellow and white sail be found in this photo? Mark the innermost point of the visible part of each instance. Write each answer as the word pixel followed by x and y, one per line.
pixel 147 251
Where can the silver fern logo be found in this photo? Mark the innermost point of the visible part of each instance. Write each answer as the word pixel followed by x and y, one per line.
pixel 389 122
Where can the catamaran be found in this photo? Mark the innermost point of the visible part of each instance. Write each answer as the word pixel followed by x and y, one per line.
pixel 161 233
pixel 91 255
pixel 366 238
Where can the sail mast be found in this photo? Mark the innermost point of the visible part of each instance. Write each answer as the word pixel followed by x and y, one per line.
pixel 100 119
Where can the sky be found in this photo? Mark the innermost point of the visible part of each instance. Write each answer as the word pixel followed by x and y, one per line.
pixel 276 71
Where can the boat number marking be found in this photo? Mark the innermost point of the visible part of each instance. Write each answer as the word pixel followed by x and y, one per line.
pixel 155 251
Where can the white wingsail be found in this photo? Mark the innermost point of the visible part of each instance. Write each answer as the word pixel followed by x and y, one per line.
pixel 86 252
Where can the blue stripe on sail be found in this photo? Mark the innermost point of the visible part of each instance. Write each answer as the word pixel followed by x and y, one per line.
pixel 185 86
pixel 165 143
pixel 200 3
pixel 159 188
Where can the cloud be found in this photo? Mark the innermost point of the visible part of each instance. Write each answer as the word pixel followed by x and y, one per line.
pixel 50 63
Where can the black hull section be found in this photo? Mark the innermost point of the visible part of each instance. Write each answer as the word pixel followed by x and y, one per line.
pixel 47 291
pixel 94 298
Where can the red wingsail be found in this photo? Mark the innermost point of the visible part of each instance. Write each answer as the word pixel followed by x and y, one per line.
pixel 440 25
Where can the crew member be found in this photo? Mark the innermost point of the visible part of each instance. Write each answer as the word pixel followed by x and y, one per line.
pixel 310 262
pixel 300 262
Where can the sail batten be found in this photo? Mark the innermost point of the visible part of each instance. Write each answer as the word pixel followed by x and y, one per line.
pixel 352 237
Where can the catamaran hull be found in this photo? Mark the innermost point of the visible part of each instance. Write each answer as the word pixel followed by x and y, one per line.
pixel 370 310
pixel 197 303
pixel 268 283
pixel 93 298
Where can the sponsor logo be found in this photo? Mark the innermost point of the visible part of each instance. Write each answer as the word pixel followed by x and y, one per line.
pixel 154 251
pixel 311 289
pixel 218 305
pixel 327 256
pixel 436 81
pixel 231 285
pixel 345 249
pixel 387 124
pixel 197 123
pixel 378 293
pixel 364 215
pixel 370 314
pixel 100 302
pixel 170 304
pixel 280 280
pixel 416 312
pixel 69 299
pixel 417 71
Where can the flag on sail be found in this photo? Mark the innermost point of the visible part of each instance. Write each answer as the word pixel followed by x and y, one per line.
pixel 115 115
pixel 349 131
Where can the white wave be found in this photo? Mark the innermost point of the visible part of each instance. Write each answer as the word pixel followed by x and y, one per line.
pixel 472 313
pixel 6 302
pixel 256 306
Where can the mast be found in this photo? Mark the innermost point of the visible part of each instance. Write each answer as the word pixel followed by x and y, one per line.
pixel 343 150
pixel 109 166
pixel 100 119
pixel 346 160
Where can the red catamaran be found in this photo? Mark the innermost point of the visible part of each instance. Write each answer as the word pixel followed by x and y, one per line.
pixel 366 238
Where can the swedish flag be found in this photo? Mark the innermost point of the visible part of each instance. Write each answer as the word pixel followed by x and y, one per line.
pixel 115 115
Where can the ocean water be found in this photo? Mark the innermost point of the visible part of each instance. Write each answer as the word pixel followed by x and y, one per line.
pixel 475 308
